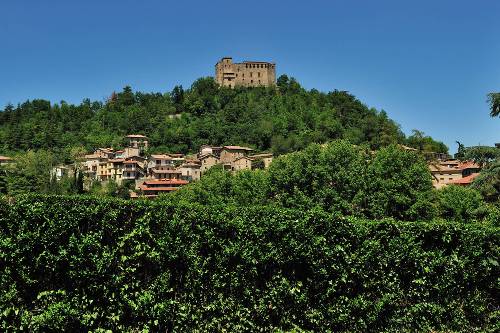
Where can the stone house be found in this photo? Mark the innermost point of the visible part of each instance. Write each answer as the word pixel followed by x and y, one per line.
pixel 230 153
pixel 190 171
pixel 208 161
pixel 241 163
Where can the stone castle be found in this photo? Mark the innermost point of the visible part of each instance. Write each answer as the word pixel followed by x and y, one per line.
pixel 247 73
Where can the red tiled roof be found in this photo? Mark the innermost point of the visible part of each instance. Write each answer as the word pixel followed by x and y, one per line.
pixel 131 162
pixel 160 189
pixel 166 182
pixel 466 180
pixel 118 160
pixel 468 165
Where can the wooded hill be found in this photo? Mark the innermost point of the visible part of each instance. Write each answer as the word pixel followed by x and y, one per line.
pixel 279 119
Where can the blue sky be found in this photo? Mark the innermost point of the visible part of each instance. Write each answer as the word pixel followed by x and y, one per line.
pixel 428 64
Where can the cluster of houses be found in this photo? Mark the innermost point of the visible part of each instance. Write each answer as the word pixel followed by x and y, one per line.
pixel 446 170
pixel 154 174
pixel 163 173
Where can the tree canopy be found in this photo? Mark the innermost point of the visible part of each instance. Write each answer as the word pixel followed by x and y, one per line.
pixel 281 119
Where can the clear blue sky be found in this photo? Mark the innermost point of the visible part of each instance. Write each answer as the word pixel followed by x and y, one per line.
pixel 428 63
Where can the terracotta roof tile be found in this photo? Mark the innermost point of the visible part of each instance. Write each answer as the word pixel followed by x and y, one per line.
pixel 466 180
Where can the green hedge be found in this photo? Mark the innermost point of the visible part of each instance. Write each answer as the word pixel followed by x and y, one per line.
pixel 79 264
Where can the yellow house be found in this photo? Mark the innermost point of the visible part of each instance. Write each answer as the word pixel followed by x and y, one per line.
pixel 443 175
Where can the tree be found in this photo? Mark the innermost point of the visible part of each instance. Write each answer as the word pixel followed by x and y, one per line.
pixel 459 203
pixel 460 152
pixel 425 143
pixel 494 102
pixel 482 155
pixel 177 95
pixel 398 185
pixel 488 182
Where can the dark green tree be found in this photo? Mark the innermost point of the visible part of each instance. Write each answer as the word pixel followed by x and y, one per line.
pixel 494 102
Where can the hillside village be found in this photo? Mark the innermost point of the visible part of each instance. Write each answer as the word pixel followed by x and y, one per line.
pixel 153 174
pixel 163 173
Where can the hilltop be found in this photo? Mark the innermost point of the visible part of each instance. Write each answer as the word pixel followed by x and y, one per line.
pixel 279 119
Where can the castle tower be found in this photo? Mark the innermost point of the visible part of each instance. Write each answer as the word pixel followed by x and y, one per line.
pixel 247 73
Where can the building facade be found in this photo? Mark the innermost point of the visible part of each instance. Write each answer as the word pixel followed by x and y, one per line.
pixel 246 74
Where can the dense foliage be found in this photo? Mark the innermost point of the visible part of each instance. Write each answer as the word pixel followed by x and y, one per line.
pixel 78 264
pixel 345 179
pixel 281 119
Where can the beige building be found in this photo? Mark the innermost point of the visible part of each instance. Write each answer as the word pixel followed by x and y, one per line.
pixel 443 175
pixel 241 163
pixel 208 161
pixel 266 159
pixel 247 73
pixel 230 153
pixel 190 171
pixel 161 162
pixel 452 172
pixel 136 144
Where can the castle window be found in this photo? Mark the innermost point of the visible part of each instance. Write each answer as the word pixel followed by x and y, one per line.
pixel 251 81
pixel 258 74
pixel 251 74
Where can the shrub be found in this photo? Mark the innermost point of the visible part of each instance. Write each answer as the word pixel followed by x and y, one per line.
pixel 80 263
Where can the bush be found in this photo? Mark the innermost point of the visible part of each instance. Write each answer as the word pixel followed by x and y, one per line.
pixel 80 263
pixel 459 203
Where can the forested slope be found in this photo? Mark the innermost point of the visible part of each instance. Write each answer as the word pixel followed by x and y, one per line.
pixel 279 119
